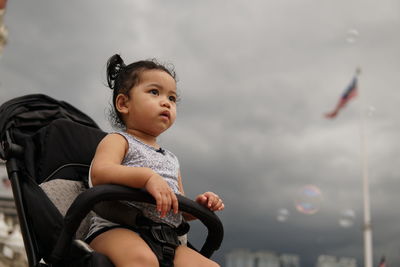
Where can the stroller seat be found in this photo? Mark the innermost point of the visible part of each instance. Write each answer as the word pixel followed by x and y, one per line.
pixel 62 193
pixel 48 146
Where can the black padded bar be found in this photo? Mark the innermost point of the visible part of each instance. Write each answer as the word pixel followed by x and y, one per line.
pixel 85 202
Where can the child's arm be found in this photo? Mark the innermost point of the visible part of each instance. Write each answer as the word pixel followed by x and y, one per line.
pixel 107 169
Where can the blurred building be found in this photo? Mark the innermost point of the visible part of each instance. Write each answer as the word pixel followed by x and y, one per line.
pixel 3 29
pixel 266 259
pixel 12 252
pixel 7 206
pixel 240 258
pixel 289 260
pixel 347 262
pixel 263 258
pixel 332 261
pixel 326 261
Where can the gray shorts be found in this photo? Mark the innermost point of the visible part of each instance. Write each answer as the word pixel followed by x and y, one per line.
pixel 100 225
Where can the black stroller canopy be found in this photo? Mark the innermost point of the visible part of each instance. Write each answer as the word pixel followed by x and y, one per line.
pixel 36 111
pixel 47 148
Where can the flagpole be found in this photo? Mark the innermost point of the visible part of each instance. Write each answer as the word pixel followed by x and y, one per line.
pixel 367 226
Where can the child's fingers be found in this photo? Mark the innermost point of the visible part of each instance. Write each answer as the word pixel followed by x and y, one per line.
pixel 213 199
pixel 201 199
pixel 215 202
pixel 175 204
pixel 210 202
pixel 219 206
pixel 158 200
pixel 166 204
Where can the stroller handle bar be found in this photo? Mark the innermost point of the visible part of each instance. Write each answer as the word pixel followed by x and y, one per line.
pixel 85 202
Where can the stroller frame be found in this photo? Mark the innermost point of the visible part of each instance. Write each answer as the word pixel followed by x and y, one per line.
pixel 22 120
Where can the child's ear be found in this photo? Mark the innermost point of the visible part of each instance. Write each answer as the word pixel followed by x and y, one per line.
pixel 121 103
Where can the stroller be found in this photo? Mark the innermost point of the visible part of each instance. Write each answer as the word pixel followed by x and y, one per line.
pixel 48 146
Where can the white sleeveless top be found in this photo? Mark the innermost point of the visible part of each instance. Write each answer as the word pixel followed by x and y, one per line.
pixel 162 162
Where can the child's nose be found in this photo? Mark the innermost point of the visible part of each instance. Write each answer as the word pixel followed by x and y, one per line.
pixel 165 103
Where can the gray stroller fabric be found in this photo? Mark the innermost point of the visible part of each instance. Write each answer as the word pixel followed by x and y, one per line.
pixel 62 193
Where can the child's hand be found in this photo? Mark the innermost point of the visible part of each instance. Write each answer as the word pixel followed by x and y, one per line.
pixel 163 194
pixel 211 201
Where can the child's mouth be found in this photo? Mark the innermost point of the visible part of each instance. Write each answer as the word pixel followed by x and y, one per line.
pixel 165 114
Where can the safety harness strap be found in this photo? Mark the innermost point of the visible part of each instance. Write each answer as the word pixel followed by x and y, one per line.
pixel 161 238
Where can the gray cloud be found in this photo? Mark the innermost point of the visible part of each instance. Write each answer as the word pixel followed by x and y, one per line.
pixel 256 78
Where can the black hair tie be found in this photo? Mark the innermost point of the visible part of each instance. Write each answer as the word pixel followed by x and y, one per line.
pixel 115 67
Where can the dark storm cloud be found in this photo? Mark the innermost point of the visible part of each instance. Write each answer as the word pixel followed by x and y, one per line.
pixel 255 79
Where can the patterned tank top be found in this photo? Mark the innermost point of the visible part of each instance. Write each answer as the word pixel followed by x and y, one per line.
pixel 164 163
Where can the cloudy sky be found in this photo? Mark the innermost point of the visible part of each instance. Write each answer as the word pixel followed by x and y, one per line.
pixel 255 79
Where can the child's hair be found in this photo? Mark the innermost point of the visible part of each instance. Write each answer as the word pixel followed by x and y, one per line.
pixel 122 78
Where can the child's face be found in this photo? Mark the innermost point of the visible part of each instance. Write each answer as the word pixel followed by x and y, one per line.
pixel 151 107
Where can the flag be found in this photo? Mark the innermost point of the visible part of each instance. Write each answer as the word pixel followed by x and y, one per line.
pixel 382 263
pixel 349 93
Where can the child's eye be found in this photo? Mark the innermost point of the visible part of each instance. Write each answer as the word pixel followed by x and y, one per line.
pixel 172 98
pixel 154 91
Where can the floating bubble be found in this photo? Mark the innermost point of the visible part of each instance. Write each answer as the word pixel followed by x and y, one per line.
pixel 352 35
pixel 308 199
pixel 370 111
pixel 283 215
pixel 347 218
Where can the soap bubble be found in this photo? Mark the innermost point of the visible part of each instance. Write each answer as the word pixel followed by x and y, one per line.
pixel 347 218
pixel 370 111
pixel 283 215
pixel 352 35
pixel 308 199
